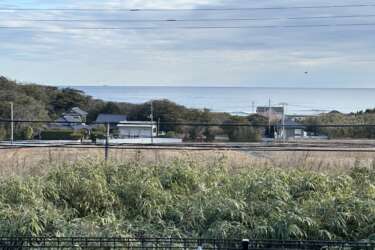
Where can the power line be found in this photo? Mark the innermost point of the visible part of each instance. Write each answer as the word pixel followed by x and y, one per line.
pixel 195 20
pixel 192 9
pixel 182 147
pixel 201 124
pixel 32 28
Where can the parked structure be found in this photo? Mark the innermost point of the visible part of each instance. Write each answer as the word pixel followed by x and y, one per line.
pixel 137 129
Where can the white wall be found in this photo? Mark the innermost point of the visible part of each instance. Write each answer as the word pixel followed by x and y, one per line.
pixel 136 132
pixel 142 141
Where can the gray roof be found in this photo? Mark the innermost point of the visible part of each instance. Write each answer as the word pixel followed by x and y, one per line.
pixel 109 118
pixel 273 109
pixel 69 118
pixel 79 111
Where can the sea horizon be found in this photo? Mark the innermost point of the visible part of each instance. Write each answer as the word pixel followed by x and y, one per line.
pixel 193 86
pixel 241 100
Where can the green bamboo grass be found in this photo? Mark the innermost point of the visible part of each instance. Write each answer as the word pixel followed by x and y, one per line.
pixel 183 198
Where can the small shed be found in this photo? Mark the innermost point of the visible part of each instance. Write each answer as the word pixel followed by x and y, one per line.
pixel 137 129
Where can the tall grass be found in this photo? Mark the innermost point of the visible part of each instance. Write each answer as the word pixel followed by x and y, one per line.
pixel 38 161
pixel 185 197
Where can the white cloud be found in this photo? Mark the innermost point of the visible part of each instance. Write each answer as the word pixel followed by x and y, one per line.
pixel 173 56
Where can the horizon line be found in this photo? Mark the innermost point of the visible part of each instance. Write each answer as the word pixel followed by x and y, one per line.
pixel 207 86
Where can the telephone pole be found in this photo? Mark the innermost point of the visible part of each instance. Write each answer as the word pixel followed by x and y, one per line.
pixel 152 122
pixel 11 123
pixel 269 118
pixel 284 104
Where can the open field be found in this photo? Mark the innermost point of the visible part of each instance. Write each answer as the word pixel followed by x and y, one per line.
pixel 36 161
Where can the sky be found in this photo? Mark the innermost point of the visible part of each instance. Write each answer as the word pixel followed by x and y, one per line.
pixel 57 53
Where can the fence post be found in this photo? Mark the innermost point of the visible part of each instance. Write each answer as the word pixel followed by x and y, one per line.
pixel 245 244
pixel 106 148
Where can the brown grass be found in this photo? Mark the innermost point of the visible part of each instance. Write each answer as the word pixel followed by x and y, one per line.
pixel 37 161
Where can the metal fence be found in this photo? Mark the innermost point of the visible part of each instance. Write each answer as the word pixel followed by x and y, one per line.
pixel 173 243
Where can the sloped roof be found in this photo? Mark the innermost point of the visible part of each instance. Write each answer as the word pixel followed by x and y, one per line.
pixel 273 109
pixel 79 111
pixel 110 118
pixel 69 118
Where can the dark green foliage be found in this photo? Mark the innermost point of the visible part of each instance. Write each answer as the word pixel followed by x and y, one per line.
pixel 241 133
pixel 24 133
pixel 336 118
pixel 3 133
pixel 60 134
pixel 36 102
pixel 186 199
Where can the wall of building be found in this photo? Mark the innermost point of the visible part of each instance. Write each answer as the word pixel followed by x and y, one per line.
pixel 137 132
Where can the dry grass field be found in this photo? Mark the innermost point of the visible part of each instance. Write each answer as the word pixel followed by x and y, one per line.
pixel 37 161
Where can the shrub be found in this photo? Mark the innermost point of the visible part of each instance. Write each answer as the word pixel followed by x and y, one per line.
pixel 188 199
pixel 61 135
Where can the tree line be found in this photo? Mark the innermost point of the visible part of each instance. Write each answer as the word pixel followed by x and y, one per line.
pixel 39 102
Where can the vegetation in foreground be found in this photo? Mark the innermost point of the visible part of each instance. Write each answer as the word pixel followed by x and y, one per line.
pixel 185 198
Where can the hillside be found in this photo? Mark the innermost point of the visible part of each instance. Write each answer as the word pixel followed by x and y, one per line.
pixel 46 103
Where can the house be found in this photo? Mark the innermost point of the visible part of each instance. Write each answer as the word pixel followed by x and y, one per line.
pixel 77 112
pixel 137 129
pixel 274 113
pixel 110 118
pixel 74 119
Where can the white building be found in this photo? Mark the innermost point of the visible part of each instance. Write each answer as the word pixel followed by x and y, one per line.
pixel 137 129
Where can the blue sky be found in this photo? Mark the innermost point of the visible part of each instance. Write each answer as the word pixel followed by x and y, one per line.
pixel 55 54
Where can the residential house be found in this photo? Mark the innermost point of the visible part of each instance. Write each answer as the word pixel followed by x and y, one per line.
pixel 74 119
pixel 273 113
pixel 137 129
pixel 110 119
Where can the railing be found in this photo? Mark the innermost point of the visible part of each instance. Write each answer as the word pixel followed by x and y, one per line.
pixel 10 243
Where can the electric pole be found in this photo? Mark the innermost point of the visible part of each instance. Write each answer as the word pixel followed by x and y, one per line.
pixel 11 123
pixel 152 122
pixel 269 117
pixel 284 104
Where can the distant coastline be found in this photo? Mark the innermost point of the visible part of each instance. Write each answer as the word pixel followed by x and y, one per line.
pixel 242 100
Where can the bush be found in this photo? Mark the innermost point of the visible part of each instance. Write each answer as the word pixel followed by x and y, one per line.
pixel 3 133
pixel 187 199
pixel 61 135
pixel 245 134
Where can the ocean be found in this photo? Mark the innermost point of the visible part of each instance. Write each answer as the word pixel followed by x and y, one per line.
pixel 242 100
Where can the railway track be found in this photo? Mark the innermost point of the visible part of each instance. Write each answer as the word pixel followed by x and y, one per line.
pixel 308 146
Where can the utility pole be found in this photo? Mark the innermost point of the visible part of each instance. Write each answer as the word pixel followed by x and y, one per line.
pixel 158 128
pixel 152 122
pixel 106 155
pixel 269 117
pixel 11 123
pixel 284 104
